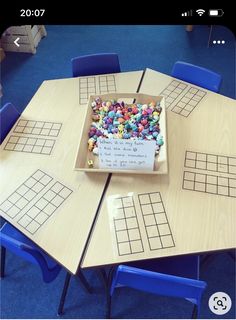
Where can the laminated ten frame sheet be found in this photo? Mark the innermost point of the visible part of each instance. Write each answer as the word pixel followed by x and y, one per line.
pixel 139 223
pixel 95 85
pixel 182 98
pixel 35 201
pixel 211 173
pixel 33 136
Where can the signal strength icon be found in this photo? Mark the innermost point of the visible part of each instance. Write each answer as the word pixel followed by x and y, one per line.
pixel 200 12
pixel 187 13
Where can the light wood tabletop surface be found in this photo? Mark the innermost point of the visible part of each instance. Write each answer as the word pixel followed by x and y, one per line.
pixel 200 212
pixel 63 233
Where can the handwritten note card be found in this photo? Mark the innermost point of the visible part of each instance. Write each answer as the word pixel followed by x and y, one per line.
pixel 126 154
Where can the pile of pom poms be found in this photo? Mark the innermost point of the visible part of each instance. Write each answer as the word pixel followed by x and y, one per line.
pixel 118 120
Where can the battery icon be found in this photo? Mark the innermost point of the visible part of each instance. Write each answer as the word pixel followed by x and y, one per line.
pixel 216 12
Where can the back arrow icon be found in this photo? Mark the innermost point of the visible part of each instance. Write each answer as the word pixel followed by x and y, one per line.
pixel 16 42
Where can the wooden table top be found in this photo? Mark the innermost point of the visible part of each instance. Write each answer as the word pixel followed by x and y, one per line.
pixel 64 230
pixel 190 210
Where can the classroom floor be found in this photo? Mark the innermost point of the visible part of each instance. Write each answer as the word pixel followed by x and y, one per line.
pixel 23 294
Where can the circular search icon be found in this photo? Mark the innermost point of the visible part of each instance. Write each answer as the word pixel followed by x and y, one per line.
pixel 220 303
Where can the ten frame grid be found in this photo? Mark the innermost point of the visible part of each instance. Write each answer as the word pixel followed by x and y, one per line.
pixel 172 92
pixel 87 87
pixel 107 84
pixel 155 220
pixel 41 128
pixel 210 162
pixel 189 101
pixel 224 186
pixel 126 226
pixel 30 145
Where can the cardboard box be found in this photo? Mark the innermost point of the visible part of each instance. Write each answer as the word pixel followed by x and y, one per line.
pixel 84 155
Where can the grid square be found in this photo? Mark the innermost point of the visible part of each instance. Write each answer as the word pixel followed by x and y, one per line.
pixel 30 195
pixel 5 206
pixel 201 165
pixel 200 177
pixel 37 149
pixel 232 169
pixel 232 161
pixel 129 212
pixel 120 224
pixel 158 207
pixel 147 209
pixel 13 139
pixel 38 187
pixel 65 192
pixel 33 227
pixel 22 190
pixel 124 248
pixel 223 181
pixel 149 220
pixel 222 168
pixel 56 126
pixel 119 213
pixel 27 130
pixel 21 203
pixel 24 221
pixel 39 124
pixel 57 187
pixel 122 236
pixel 117 203
pixel 144 199
pixel 31 141
pixel 232 192
pixel 211 188
pixel 46 150
pixel 212 179
pixel 49 195
pixel 152 231
pixel 45 132
pixel 49 143
pixel 14 197
pixel 36 131
pixel 134 234
pixel 45 179
pixel 13 211
pixel 164 229
pixel 47 125
pixel 212 158
pixel 54 133
pixel 9 146
pixel 49 209
pixel 132 223
pixel 155 197
pixel 211 166
pixel 19 147
pixel 40 142
pixel 201 156
pixel 232 183
pixel 155 243
pixel 189 176
pixel 33 212
pixel 30 182
pixel 167 241
pixel 190 163
pixel 38 175
pixel 41 203
pixel 200 186
pixel 185 113
pixel 160 218
pixel 27 148
pixel 127 202
pixel 57 201
pixel 136 246
pixel 41 218
pixel 222 160
pixel 189 185
pixel 223 190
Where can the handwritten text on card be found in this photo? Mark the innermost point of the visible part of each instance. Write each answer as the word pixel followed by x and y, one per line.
pixel 125 154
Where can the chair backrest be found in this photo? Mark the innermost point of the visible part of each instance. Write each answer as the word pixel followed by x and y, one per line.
pixel 26 249
pixel 8 117
pixel 159 283
pixel 95 64
pixel 197 75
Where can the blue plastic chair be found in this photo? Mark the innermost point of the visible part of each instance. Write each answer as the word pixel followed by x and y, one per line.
pixel 199 76
pixel 180 279
pixel 14 241
pixel 94 64
pixel 8 116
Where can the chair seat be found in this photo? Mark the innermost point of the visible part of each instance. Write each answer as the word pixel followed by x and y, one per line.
pixel 12 232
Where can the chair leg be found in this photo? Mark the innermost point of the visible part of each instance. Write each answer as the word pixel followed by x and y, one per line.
pixel 3 258
pixel 103 276
pixel 195 312
pixel 63 295
pixel 84 282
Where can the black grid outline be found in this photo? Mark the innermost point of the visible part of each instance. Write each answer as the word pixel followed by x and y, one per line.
pixel 210 162
pixel 154 215
pixel 33 223
pixel 39 128
pixel 189 101
pixel 201 182
pixel 22 193
pixel 173 91
pixel 107 84
pixel 30 144
pixel 87 87
pixel 128 242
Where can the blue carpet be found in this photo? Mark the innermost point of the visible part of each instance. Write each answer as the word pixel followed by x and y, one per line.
pixel 23 294
pixel 138 47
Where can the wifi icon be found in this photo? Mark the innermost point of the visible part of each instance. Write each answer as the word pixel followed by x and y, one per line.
pixel 200 12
